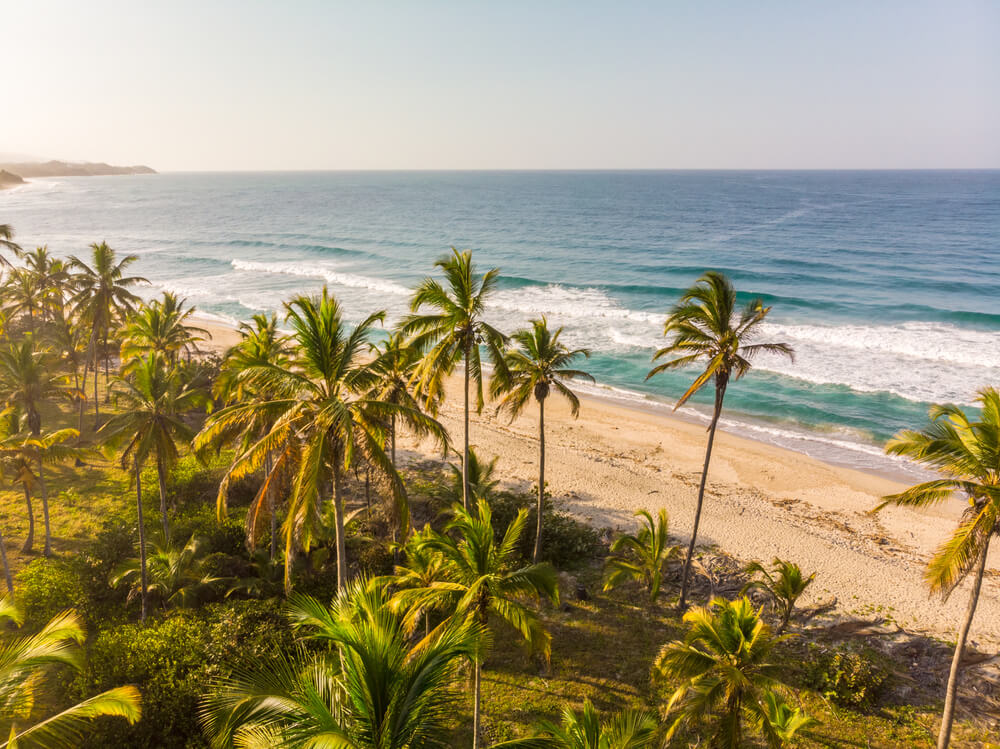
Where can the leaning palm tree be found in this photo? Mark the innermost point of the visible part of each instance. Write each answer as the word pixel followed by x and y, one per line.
pixel 376 690
pixel 726 671
pixel 161 327
pixel 322 417
pixel 25 660
pixel 103 298
pixel 631 729
pixel 23 457
pixel 454 332
pixel 784 584
pixel 643 556
pixel 537 364
pixel 151 422
pixel 704 326
pixel 966 451
pixel 483 584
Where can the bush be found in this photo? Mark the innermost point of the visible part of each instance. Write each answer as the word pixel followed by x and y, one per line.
pixel 47 587
pixel 172 661
pixel 228 537
pixel 848 678
pixel 566 542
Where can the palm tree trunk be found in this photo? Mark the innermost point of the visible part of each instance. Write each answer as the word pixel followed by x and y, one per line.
pixel 6 566
pixel 475 708
pixel 268 467
pixel 97 400
pixel 45 509
pixel 29 542
pixel 720 392
pixel 392 439
pixel 465 454
pixel 142 537
pixel 338 511
pixel 537 554
pixel 948 717
pixel 107 376
pixel 161 474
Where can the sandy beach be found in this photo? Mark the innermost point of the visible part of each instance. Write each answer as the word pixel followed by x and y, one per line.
pixel 762 501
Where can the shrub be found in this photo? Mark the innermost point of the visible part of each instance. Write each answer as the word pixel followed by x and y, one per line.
pixel 567 542
pixel 848 678
pixel 47 587
pixel 171 662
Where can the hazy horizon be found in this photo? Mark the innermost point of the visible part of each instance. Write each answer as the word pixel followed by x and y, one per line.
pixel 447 87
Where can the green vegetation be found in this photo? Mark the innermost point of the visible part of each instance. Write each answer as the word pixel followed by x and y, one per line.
pixel 275 468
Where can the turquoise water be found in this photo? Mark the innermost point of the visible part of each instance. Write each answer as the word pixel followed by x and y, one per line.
pixel 886 283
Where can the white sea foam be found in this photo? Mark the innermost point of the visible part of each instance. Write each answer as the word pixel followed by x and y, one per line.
pixel 330 275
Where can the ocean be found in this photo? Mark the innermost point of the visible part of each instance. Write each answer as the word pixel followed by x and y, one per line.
pixel 887 284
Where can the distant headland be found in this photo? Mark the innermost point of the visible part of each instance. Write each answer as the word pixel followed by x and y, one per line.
pixel 13 174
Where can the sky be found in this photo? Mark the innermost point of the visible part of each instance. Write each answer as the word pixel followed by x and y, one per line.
pixel 435 84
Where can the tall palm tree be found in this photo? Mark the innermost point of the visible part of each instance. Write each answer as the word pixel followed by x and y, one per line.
pixel 26 659
pixel 103 298
pixel 704 326
pixel 726 669
pixel 23 297
pixel 322 417
pixel 151 422
pixel 966 452
pixel 51 277
pixel 7 243
pixel 631 729
pixel 377 690
pixel 535 365
pixel 24 457
pixel 161 327
pixel 483 584
pixel 454 332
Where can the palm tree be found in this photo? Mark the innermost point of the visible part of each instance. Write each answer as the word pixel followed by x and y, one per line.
pixel 784 583
pixel 23 296
pixel 704 327
pixel 377 690
pixel 322 418
pixel 51 276
pixel 102 298
pixel 454 332
pixel 480 477
pixel 643 556
pixel 421 568
pixel 161 327
pixel 483 584
pixel 173 575
pixel 537 364
pixel 7 243
pixel 631 729
pixel 725 667
pixel 23 457
pixel 26 659
pixel 966 451
pixel 152 420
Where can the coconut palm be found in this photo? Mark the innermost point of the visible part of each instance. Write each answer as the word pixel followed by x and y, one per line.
pixel 161 327
pixel 480 477
pixel 421 568
pixel 25 660
pixel 23 458
pixel 726 671
pixel 705 327
pixel 631 729
pixel 377 690
pixel 965 450
pixel 643 556
pixel 102 298
pixel 535 365
pixel 454 332
pixel 322 418
pixel 784 583
pixel 174 575
pixel 483 583
pixel 51 276
pixel 7 243
pixel 151 422
pixel 23 296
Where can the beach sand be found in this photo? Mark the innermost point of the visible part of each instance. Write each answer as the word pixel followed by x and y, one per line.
pixel 762 501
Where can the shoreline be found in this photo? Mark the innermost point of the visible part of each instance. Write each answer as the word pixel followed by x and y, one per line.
pixel 762 500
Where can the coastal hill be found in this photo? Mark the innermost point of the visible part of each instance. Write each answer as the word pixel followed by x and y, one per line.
pixel 8 179
pixel 70 169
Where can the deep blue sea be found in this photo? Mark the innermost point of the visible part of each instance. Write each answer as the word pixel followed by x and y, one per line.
pixel 887 284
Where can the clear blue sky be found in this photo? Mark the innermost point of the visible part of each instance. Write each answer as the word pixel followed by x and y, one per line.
pixel 221 84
